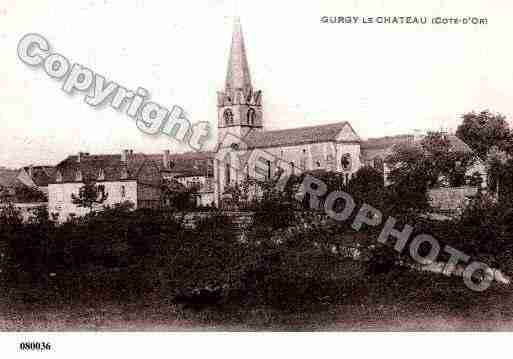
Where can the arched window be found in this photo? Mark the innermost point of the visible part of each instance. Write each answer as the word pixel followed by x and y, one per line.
pixel 227 173
pixel 251 116
pixel 228 117
pixel 101 174
pixel 345 161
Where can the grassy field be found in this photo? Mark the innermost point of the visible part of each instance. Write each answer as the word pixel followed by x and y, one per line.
pixel 398 301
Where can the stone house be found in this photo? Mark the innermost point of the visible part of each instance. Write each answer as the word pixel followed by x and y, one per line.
pixel 127 177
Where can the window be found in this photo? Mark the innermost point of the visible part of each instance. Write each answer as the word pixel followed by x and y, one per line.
pixel 268 170
pixel 318 164
pixel 251 116
pixel 378 164
pixel 101 174
pixel 58 177
pixel 123 192
pixel 124 173
pixel 345 161
pixel 228 117
pixel 302 163
pixel 78 176
pixel 292 167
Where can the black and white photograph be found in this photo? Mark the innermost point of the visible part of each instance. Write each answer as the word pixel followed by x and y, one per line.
pixel 203 171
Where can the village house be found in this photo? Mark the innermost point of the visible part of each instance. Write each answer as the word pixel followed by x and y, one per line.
pixel 126 177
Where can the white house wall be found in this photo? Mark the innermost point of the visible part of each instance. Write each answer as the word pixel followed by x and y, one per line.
pixel 59 197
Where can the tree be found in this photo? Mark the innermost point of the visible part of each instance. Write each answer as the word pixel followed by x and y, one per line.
pixel 447 162
pixel 89 195
pixel 483 130
pixel 177 196
pixel 367 186
pixel 29 194
pixel 411 174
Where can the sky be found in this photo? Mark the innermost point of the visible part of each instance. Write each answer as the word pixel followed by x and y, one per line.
pixel 384 79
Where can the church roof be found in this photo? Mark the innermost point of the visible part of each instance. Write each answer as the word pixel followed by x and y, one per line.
pixel 238 75
pixel 295 136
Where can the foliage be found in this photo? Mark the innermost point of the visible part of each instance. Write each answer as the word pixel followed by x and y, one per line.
pixel 208 256
pixel 410 176
pixel 367 186
pixel 483 130
pixel 27 194
pixel 446 162
pixel 176 196
pixel 89 195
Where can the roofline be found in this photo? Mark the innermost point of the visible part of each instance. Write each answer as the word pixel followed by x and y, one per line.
pixel 307 127
pixel 96 181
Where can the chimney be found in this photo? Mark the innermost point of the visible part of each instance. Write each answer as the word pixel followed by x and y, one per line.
pixel 418 135
pixel 165 159
pixel 124 155
pixel 81 156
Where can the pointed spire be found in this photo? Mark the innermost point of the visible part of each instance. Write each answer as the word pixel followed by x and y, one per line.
pixel 238 70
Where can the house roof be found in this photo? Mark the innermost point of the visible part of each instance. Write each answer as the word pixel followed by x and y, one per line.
pixel 386 142
pixel 189 164
pixel 183 164
pixel 90 166
pixel 373 145
pixel 41 175
pixel 294 136
pixel 7 177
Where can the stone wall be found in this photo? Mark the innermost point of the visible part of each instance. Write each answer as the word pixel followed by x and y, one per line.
pixel 451 200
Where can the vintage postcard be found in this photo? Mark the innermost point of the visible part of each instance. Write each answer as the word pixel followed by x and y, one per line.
pixel 238 166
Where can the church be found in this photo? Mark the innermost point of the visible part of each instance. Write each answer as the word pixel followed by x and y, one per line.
pixel 242 134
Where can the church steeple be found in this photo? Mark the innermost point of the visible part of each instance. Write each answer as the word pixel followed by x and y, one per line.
pixel 239 105
pixel 238 76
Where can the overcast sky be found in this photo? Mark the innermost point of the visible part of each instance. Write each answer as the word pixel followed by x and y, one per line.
pixel 383 79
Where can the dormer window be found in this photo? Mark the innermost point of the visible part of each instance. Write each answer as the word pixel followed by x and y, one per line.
pixel 78 176
pixel 58 176
pixel 124 173
pixel 101 175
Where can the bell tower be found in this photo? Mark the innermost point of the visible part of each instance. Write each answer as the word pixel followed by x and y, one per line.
pixel 239 106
